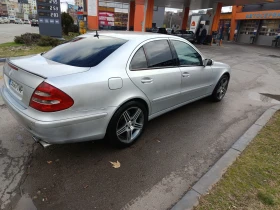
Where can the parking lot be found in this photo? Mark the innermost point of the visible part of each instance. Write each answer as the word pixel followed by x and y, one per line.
pixel 175 151
pixel 8 31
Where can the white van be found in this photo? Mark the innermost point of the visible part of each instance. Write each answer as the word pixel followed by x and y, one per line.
pixel 12 19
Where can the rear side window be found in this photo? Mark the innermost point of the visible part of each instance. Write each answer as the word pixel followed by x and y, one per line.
pixel 186 54
pixel 84 52
pixel 139 60
pixel 159 54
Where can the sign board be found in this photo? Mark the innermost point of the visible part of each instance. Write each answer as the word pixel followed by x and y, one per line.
pixel 72 11
pixel 49 17
pixel 92 8
pixel 195 21
pixel 274 14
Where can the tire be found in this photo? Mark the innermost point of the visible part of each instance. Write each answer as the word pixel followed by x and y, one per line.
pixel 220 89
pixel 127 124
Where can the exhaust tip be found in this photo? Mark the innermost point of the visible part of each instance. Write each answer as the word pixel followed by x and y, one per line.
pixel 42 143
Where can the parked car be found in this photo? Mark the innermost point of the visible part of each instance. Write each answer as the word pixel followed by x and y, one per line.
pixel 61 97
pixel 1 20
pixel 188 35
pixel 159 30
pixel 6 20
pixel 12 19
pixel 34 22
pixel 169 30
pixel 18 21
pixel 26 22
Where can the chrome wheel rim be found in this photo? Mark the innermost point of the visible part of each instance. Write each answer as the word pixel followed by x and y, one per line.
pixel 130 125
pixel 221 92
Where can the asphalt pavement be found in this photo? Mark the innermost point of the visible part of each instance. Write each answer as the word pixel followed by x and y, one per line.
pixel 9 31
pixel 175 151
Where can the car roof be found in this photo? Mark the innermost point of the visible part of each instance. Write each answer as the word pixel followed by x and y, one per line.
pixel 130 35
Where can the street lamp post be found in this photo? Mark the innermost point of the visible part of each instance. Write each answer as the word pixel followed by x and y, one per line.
pixel 171 17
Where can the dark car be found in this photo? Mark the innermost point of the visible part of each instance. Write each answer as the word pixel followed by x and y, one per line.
pixel 34 22
pixel 188 35
pixel 159 30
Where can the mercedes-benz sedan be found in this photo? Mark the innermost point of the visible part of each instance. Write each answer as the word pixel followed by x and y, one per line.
pixel 108 85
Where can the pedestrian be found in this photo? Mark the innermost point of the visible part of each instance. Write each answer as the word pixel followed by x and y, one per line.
pixel 197 34
pixel 203 34
pixel 277 40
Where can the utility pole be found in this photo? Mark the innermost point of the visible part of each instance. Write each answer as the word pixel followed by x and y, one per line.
pixel 171 17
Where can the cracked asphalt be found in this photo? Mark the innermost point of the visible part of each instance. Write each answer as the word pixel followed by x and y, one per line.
pixel 176 150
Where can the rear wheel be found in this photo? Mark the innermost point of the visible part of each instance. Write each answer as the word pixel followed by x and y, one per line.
pixel 127 124
pixel 220 89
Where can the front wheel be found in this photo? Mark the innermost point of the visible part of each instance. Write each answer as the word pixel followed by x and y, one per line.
pixel 220 89
pixel 127 124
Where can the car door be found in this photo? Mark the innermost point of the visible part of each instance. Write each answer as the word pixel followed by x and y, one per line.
pixel 153 70
pixel 196 78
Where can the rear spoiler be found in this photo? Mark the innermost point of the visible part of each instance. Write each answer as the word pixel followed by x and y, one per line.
pixel 15 67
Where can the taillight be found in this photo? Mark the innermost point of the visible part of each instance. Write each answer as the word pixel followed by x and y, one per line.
pixel 47 98
pixel 12 66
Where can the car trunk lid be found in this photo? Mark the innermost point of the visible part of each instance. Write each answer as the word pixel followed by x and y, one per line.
pixel 23 75
pixel 45 68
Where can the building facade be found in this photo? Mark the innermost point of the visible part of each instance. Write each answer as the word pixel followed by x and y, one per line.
pixel 258 24
pixel 3 8
pixel 33 7
pixel 255 24
pixel 79 3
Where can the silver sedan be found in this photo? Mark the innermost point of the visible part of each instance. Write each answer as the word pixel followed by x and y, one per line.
pixel 108 85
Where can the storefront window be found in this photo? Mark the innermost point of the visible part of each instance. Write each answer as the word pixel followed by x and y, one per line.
pixel 270 27
pixel 113 15
pixel 249 27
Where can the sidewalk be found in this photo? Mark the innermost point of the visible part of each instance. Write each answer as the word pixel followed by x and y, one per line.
pixel 253 181
pixel 255 174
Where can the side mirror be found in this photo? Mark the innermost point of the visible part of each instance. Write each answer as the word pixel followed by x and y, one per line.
pixel 208 62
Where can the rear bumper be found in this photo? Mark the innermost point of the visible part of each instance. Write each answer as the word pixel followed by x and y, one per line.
pixel 85 128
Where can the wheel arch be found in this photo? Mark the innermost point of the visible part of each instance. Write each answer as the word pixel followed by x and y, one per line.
pixel 227 74
pixel 138 99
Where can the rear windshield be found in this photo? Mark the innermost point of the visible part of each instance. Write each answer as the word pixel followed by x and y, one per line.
pixel 84 52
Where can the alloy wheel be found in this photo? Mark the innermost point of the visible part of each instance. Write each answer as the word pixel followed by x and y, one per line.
pixel 130 125
pixel 221 91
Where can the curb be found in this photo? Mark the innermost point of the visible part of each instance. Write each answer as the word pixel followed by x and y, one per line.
pixel 206 182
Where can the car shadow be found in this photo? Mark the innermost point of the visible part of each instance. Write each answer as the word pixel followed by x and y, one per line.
pixel 103 146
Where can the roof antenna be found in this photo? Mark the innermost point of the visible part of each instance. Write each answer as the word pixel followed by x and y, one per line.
pixel 96 35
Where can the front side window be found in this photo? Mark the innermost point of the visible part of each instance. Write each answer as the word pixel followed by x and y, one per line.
pixel 159 54
pixel 84 51
pixel 186 54
pixel 139 60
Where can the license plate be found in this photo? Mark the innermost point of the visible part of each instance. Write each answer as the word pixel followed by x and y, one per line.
pixel 16 87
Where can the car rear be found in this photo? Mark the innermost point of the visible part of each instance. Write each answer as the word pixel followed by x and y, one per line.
pixel 42 91
pixel 190 36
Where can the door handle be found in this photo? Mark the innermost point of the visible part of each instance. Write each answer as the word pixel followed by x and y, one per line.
pixel 147 80
pixel 186 74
